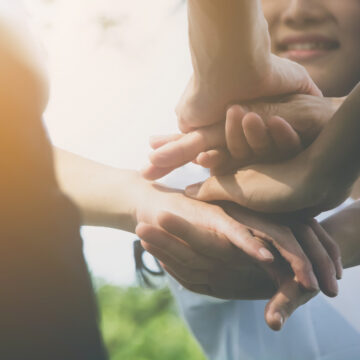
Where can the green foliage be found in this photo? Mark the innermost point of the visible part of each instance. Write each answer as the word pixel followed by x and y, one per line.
pixel 141 324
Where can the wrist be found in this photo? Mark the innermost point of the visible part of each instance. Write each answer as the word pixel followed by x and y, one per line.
pixel 110 200
pixel 343 227
pixel 130 190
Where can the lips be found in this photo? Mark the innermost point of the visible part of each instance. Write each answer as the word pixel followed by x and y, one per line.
pixel 309 47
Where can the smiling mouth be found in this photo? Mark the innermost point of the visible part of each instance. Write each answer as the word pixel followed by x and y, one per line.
pixel 306 48
pixel 315 45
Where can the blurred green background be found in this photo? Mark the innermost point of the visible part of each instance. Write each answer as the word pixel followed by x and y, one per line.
pixel 142 324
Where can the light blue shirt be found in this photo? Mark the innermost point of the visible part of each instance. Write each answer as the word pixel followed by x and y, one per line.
pixel 322 329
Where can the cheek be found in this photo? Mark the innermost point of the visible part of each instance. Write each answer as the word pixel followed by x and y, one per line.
pixel 349 32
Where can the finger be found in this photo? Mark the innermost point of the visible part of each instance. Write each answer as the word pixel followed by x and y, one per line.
pixel 249 187
pixel 322 264
pixel 257 135
pixel 215 188
pixel 238 234
pixel 152 172
pixel 290 249
pixel 173 247
pixel 187 147
pixel 157 141
pixel 286 139
pixel 182 272
pixel 289 297
pixel 330 246
pixel 228 167
pixel 203 241
pixel 235 137
pixel 213 158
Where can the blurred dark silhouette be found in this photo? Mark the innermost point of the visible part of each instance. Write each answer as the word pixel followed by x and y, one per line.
pixel 47 305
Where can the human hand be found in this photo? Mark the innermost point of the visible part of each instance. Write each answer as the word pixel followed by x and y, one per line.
pixel 238 278
pixel 258 131
pixel 247 233
pixel 204 103
pixel 318 179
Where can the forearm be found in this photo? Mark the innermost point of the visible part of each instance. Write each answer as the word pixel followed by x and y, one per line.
pixel 344 227
pixel 106 196
pixel 228 39
pixel 338 143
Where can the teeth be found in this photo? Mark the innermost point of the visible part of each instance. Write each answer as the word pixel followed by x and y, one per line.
pixel 308 46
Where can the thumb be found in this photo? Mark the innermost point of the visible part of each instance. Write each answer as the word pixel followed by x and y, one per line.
pixel 289 297
pixel 214 188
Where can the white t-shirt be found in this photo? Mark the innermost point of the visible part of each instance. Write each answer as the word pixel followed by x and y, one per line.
pixel 322 329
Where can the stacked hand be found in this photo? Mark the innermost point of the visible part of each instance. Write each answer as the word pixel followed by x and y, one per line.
pixel 208 247
pixel 252 133
pixel 204 102
pixel 203 261
pixel 298 183
pixel 236 145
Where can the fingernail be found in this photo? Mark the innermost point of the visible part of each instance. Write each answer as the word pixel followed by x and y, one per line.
pixel 266 254
pixel 279 319
pixel 192 190
pixel 339 268
pixel 334 288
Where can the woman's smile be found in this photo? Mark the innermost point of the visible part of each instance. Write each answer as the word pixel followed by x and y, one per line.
pixel 306 47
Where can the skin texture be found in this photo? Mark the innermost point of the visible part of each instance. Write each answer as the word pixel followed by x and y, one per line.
pixel 336 72
pixel 248 232
pixel 333 79
pixel 258 131
pixel 208 275
pixel 105 198
pixel 214 28
pixel 293 18
pixel 197 261
pixel 310 181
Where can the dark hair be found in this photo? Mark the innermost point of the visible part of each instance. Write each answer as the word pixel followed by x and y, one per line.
pixel 144 273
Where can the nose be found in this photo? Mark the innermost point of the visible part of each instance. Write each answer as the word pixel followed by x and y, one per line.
pixel 301 13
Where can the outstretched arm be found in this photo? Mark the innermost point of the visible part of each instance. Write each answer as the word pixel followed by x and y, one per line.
pixel 121 198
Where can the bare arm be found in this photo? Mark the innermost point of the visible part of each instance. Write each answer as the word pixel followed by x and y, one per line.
pixel 230 48
pixel 105 195
pixel 229 42
pixel 344 227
